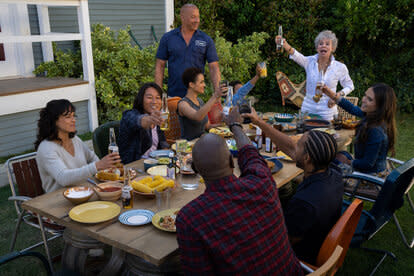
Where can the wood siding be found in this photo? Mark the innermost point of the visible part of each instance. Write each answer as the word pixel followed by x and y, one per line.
pixel 18 131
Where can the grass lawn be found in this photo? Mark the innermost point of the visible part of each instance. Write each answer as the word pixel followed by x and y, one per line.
pixel 357 261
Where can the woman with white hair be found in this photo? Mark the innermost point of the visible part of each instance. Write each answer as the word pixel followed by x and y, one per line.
pixel 321 69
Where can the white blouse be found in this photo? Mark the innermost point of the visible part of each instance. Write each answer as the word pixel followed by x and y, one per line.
pixel 335 72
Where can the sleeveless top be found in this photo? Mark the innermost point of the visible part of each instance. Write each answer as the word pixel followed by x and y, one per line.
pixel 191 129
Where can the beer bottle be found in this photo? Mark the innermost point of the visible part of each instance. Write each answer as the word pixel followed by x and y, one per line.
pixel 127 195
pixel 112 147
pixel 171 167
pixel 268 145
pixel 259 138
pixel 165 113
pixel 228 104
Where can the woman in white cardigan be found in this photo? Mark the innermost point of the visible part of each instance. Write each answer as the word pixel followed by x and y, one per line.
pixel 322 68
pixel 62 158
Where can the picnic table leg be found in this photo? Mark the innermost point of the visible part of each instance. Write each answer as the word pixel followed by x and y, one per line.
pixel 114 264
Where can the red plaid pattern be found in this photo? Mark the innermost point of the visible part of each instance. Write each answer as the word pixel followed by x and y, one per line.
pixel 236 226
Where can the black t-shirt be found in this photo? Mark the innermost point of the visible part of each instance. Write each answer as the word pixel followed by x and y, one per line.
pixel 313 211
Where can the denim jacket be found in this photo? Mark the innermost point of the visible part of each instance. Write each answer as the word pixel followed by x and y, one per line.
pixel 370 157
pixel 134 140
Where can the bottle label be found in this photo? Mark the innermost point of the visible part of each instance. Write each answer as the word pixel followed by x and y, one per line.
pixel 113 148
pixel 171 173
pixel 268 145
pixel 226 110
pixel 259 142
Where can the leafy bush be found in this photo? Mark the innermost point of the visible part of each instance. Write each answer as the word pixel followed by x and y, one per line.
pixel 121 68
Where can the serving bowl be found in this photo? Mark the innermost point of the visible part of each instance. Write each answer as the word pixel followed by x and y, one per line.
pixel 78 194
pixel 284 117
pixel 111 191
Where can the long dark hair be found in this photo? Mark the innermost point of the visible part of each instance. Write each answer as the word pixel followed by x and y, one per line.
pixel 139 98
pixel 46 126
pixel 384 115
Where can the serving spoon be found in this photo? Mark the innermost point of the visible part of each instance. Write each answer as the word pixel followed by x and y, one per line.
pixel 90 180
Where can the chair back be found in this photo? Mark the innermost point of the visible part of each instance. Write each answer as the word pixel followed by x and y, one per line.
pixel 341 234
pixel 344 115
pixel 100 137
pixel 24 177
pixel 391 196
pixel 330 266
pixel 174 132
pixel 291 92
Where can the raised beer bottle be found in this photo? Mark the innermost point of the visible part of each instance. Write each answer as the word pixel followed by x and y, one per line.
pixel 228 104
pixel 165 113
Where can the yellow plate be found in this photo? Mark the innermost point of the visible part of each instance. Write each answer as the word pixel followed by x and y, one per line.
pixel 222 131
pixel 157 216
pixel 94 212
pixel 286 157
pixel 190 145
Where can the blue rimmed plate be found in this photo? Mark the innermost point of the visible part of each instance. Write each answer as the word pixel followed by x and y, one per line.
pixel 160 153
pixel 136 217
pixel 278 165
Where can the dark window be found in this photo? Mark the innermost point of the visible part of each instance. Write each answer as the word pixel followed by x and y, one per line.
pixel 2 55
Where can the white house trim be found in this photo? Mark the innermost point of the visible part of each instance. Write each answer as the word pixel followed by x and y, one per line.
pixel 169 14
pixel 59 3
pixel 38 99
pixel 44 28
pixel 40 38
pixel 87 61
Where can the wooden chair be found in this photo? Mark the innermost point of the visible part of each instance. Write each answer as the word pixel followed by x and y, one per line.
pixel 330 266
pixel 345 115
pixel 100 137
pixel 340 235
pixel 291 92
pixel 174 132
pixel 25 183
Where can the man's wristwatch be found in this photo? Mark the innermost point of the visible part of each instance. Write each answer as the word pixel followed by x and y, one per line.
pixel 235 124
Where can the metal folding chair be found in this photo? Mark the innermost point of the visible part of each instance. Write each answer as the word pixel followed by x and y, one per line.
pixel 25 183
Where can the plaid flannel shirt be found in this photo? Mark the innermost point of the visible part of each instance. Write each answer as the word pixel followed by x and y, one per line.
pixel 236 226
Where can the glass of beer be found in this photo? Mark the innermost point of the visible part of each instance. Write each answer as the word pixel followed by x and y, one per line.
pixel 263 69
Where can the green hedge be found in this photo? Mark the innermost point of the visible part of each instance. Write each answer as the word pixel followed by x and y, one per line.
pixel 376 39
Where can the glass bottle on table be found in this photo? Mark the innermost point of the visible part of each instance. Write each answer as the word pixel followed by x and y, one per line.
pixel 165 113
pixel 259 138
pixel 127 195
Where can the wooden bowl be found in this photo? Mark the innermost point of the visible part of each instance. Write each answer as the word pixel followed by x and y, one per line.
pixel 78 195
pixel 109 195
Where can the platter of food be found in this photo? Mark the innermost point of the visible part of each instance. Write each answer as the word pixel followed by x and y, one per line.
pixel 165 220
pixel 274 165
pixel 189 149
pixel 136 217
pixel 145 185
pixel 222 131
pixel 113 174
pixel 349 124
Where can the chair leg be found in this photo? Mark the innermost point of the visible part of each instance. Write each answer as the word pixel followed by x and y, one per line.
pixel 42 230
pixel 385 252
pixel 16 230
pixel 409 245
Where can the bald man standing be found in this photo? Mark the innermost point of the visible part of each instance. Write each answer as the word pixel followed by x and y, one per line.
pixel 186 47
pixel 236 226
pixel 316 206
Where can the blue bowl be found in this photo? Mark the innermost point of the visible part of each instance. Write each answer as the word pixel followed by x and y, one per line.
pixel 284 117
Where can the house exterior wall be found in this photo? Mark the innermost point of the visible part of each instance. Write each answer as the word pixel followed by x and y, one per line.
pixel 18 130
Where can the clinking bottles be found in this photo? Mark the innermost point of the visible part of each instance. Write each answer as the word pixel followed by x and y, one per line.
pixel 165 113
pixel 228 104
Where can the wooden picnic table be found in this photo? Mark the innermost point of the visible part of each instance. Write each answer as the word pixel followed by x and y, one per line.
pixel 147 242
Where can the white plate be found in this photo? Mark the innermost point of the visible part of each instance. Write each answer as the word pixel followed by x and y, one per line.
pixel 136 217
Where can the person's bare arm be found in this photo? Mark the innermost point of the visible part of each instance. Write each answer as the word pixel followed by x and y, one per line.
pixel 186 110
pixel 215 75
pixel 238 133
pixel 159 71
pixel 284 142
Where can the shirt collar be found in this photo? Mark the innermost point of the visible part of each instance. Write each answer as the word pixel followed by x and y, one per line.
pixel 332 58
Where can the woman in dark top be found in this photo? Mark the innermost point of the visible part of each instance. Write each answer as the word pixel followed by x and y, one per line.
pixel 139 131
pixel 376 133
pixel 191 109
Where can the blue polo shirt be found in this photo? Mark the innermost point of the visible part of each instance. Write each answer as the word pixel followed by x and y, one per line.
pixel 180 56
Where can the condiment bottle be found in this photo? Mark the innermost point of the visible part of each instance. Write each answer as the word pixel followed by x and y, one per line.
pixel 127 195
pixel 259 138
pixel 171 167
pixel 268 145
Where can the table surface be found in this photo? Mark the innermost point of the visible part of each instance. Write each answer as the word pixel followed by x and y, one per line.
pixel 144 241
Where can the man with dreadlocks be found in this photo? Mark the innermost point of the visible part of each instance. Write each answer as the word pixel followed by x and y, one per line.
pixel 316 205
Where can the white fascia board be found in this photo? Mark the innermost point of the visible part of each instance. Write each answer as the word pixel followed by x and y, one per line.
pixel 169 15
pixel 40 38
pixel 38 99
pixel 45 2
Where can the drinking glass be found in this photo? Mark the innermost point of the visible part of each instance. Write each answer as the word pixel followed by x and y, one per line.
pixel 263 69
pixel 163 199
pixel 189 181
